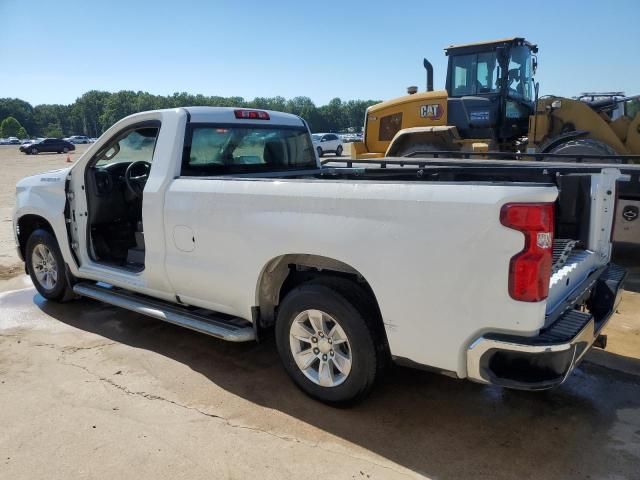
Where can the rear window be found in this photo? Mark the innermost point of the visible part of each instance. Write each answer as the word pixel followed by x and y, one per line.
pixel 219 149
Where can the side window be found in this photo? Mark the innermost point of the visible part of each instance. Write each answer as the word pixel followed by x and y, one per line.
pixel 462 74
pixel 632 108
pixel 475 73
pixel 460 83
pixel 132 145
pixel 487 73
pixel 389 126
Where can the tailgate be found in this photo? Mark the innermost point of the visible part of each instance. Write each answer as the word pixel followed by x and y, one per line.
pixel 584 221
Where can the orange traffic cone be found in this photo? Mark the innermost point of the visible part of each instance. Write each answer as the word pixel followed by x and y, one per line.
pixel 68 158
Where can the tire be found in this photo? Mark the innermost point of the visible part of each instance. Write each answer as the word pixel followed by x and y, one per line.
pixel 46 267
pixel 320 152
pixel 65 150
pixel 34 151
pixel 339 151
pixel 583 146
pixel 340 302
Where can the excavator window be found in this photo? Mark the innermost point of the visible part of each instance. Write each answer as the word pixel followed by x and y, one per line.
pixel 475 74
pixel 520 74
pixel 632 108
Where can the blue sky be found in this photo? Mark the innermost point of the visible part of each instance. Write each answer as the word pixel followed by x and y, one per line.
pixel 53 51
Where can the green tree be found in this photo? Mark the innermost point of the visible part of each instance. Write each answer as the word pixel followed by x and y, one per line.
pixel 334 115
pixel 22 133
pixel 10 127
pixel 87 112
pixel 95 111
pixel 18 109
pixel 53 130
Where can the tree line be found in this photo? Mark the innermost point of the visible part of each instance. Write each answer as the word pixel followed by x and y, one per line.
pixel 95 111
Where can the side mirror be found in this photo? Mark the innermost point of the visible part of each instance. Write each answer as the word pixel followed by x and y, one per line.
pixel 534 64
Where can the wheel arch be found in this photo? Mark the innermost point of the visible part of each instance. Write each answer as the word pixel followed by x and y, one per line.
pixel 26 225
pixel 283 273
pixel 563 137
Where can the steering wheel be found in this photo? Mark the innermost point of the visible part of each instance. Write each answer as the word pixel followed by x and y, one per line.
pixel 136 175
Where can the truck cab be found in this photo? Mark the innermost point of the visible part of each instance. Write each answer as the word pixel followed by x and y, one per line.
pixel 491 89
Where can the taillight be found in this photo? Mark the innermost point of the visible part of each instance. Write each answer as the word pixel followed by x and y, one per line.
pixel 530 270
pixel 251 114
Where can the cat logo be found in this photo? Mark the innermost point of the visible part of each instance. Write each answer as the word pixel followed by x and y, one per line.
pixel 432 111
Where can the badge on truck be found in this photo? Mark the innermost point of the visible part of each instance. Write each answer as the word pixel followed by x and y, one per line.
pixel 432 111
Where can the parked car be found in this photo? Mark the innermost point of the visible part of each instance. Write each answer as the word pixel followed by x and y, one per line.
pixel 327 143
pixel 14 141
pixel 224 222
pixel 56 145
pixel 77 139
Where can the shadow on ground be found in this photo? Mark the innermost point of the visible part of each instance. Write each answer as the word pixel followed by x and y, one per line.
pixel 628 256
pixel 440 427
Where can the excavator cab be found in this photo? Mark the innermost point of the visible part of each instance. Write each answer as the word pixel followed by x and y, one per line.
pixel 490 87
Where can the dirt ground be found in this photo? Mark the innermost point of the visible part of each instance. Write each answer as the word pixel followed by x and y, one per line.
pixel 92 391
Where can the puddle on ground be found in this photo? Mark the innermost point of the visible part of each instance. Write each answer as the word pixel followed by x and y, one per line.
pixel 15 283
pixel 20 306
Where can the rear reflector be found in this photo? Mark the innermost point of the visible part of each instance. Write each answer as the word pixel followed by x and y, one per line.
pixel 530 269
pixel 251 114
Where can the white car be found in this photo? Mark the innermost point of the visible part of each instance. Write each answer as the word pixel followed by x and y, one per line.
pixel 221 220
pixel 327 143
pixel 78 139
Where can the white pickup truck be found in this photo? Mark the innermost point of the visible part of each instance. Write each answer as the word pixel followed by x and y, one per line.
pixel 222 220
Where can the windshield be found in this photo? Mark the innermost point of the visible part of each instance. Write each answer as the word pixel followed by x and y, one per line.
pixel 231 149
pixel 520 78
pixel 316 137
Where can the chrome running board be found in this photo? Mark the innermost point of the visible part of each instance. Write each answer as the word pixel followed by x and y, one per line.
pixel 217 325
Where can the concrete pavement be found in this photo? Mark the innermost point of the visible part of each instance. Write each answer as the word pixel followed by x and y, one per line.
pixel 91 391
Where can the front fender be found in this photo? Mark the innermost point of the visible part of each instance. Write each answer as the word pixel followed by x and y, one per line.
pixel 44 196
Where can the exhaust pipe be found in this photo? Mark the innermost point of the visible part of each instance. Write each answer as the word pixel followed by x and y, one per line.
pixel 429 68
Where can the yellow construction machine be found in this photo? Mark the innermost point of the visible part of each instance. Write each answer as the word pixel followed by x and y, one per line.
pixel 490 104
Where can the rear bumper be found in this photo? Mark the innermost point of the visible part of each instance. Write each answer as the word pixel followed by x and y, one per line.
pixel 545 361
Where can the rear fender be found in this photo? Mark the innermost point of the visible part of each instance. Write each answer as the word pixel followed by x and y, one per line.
pixel 444 137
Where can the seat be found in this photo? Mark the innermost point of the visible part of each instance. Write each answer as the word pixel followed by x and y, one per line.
pixel 274 153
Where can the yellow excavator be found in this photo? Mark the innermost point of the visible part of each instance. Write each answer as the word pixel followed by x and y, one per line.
pixel 490 104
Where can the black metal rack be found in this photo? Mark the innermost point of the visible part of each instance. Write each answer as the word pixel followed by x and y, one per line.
pixel 503 162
